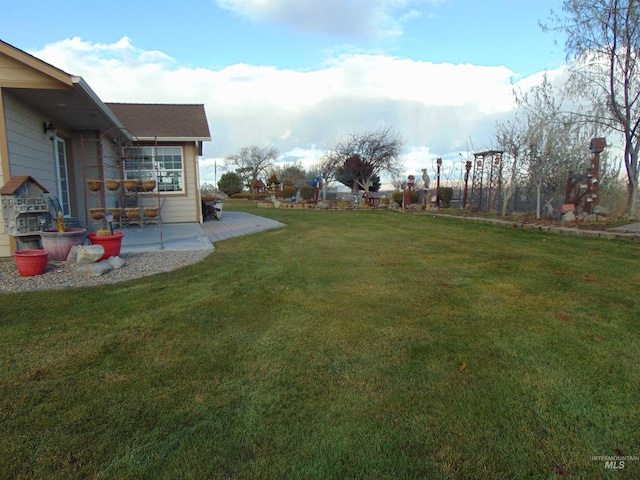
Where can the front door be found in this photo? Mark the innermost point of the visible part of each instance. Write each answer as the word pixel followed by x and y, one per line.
pixel 63 176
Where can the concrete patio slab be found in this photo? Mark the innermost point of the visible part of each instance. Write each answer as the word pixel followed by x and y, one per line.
pixel 193 236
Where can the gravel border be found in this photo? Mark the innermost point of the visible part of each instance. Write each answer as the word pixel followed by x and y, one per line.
pixel 59 275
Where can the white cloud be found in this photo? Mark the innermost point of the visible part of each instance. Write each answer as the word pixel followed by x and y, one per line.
pixel 438 108
pixel 348 19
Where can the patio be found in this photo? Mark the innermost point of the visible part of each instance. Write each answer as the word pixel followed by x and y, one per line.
pixel 194 236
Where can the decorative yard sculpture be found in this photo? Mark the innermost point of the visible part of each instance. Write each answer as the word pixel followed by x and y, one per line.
pixel 582 188
pixel 426 180
pixel 485 198
pixel 406 199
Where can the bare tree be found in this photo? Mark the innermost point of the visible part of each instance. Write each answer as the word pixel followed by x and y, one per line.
pixel 556 140
pixel 399 181
pixel 252 161
pixel 603 40
pixel 379 151
pixel 326 168
pixel 511 136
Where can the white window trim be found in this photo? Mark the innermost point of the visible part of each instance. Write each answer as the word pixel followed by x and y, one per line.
pixel 155 171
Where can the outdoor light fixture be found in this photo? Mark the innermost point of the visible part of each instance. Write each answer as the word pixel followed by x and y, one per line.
pixel 109 217
pixel 50 129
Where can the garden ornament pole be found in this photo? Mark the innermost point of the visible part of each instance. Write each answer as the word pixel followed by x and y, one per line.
pixel 406 200
pixel 467 168
pixel 596 146
pixel 439 164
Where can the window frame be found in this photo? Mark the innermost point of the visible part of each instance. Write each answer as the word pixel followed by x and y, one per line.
pixel 148 162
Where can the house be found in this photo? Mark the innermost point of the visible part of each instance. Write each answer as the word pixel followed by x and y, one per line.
pixel 54 128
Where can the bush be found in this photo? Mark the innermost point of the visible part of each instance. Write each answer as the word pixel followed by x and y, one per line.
pixel 251 196
pixel 445 194
pixel 397 197
pixel 230 183
pixel 288 191
pixel 306 192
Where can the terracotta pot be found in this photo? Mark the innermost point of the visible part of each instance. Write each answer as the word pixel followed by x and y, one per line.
pixel 111 243
pixel 31 262
pixel 58 244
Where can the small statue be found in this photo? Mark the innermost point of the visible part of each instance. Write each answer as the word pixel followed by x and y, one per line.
pixel 425 178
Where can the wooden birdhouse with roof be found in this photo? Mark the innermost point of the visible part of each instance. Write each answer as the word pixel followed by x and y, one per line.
pixel 22 203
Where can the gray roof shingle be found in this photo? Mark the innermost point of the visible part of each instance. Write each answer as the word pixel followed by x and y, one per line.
pixel 148 120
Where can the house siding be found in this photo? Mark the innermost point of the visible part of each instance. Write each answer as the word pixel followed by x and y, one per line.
pixel 180 208
pixel 15 73
pixel 30 151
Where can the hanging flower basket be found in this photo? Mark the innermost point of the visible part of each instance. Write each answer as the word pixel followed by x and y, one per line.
pixel 112 184
pixel 117 212
pixel 148 185
pixel 31 262
pixel 150 212
pixel 94 185
pixel 130 185
pixel 132 212
pixel 96 213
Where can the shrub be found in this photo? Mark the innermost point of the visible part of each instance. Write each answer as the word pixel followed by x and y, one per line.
pixel 251 196
pixel 445 194
pixel 230 183
pixel 397 197
pixel 288 191
pixel 306 192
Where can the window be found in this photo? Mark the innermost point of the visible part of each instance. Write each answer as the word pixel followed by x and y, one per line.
pixel 162 164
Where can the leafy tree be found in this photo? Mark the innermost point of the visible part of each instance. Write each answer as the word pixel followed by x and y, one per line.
pixel 230 183
pixel 252 161
pixel 353 169
pixel 368 154
pixel 294 172
pixel 603 41
pixel 273 180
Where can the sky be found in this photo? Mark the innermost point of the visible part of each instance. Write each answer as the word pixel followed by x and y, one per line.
pixel 299 75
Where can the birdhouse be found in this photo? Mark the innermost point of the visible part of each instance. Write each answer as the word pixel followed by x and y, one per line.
pixel 597 145
pixel 22 203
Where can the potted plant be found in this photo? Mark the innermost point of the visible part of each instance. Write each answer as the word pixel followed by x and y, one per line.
pixel 58 241
pixel 110 241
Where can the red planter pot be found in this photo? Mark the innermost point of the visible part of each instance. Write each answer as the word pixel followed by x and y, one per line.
pixel 111 243
pixel 31 262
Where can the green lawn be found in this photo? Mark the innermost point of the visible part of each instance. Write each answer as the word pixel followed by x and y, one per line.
pixel 333 348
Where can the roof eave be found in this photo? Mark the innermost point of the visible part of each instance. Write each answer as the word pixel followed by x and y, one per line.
pixel 174 139
pixel 84 88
